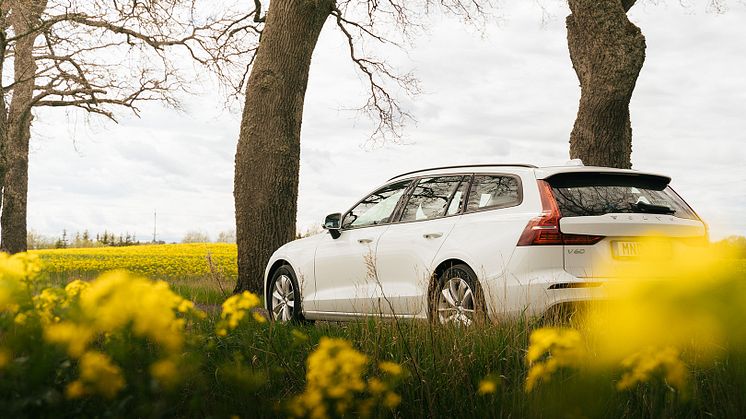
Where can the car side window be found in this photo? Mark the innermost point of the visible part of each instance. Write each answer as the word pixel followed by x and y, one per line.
pixel 458 198
pixel 493 191
pixel 430 198
pixel 377 208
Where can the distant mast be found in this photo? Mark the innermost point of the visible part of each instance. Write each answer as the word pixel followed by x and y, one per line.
pixel 155 225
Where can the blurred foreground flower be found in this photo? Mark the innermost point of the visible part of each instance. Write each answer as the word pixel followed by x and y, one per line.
pixel 336 384
pixel 656 311
pixel 98 375
pixel 235 309
pixel 643 365
pixel 118 300
pixel 551 349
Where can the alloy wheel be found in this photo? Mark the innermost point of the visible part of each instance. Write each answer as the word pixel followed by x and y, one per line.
pixel 283 299
pixel 456 303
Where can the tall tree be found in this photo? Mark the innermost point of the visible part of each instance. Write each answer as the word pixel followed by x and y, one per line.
pixel 97 56
pixel 607 53
pixel 268 151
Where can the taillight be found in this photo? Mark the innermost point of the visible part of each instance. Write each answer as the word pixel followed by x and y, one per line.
pixel 544 229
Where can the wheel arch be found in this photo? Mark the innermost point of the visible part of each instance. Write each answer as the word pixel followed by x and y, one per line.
pixel 432 287
pixel 271 271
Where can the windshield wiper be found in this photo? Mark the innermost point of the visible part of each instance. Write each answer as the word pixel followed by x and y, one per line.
pixel 653 209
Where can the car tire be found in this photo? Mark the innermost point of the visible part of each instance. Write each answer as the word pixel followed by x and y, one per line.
pixel 283 298
pixel 457 298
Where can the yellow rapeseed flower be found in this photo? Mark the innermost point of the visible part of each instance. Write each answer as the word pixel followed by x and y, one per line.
pixel 391 400
pixel 334 371
pixel 559 348
pixel 75 390
pixel 5 357
pixel 180 261
pixel 74 337
pixel 391 368
pixel 117 300
pixel 21 266
pixel 47 303
pixel 166 372
pixel 487 386
pixel 643 365
pixel 98 374
pixel 20 319
pixel 74 288
pixel 235 309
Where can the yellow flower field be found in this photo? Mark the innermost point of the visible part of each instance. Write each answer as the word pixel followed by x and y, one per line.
pixel 172 261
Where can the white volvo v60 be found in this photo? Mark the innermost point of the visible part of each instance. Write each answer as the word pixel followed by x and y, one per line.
pixel 457 244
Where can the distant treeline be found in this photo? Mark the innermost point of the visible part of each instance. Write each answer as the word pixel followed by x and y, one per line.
pixel 78 239
pixel 107 239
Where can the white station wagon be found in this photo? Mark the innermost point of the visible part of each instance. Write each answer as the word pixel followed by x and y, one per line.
pixel 458 244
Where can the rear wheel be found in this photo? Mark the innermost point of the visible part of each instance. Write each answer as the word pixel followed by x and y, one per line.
pixel 458 298
pixel 284 296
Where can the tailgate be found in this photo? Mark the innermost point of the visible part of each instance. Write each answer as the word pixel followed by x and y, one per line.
pixel 629 239
pixel 634 216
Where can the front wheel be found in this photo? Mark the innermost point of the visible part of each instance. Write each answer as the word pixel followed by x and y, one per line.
pixel 458 298
pixel 284 296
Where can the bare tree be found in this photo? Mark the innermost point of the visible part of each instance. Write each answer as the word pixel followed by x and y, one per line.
pixel 195 236
pixel 268 152
pixel 98 56
pixel 607 53
pixel 227 236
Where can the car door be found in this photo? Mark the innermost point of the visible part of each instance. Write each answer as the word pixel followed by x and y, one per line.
pixel 345 267
pixel 486 234
pixel 407 248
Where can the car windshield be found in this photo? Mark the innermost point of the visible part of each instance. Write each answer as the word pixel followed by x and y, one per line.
pixel 599 195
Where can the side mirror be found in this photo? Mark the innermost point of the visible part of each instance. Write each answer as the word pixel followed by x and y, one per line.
pixel 333 223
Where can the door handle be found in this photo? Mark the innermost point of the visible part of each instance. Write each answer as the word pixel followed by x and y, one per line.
pixel 432 235
pixel 365 241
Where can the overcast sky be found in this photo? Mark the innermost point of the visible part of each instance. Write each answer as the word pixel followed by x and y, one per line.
pixel 506 95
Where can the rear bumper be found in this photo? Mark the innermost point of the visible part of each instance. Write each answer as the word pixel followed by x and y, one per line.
pixel 532 295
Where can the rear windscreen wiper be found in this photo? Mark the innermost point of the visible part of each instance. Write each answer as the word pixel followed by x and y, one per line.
pixel 652 208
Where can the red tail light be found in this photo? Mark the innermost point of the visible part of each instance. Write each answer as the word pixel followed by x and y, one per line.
pixel 544 229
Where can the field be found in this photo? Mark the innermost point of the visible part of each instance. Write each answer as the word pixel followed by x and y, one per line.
pixel 203 272
pixel 120 345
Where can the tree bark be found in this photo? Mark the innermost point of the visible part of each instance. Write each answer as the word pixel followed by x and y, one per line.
pixel 23 16
pixel 268 152
pixel 3 105
pixel 607 53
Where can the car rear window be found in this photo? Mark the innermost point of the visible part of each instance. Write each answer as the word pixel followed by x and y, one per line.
pixel 599 194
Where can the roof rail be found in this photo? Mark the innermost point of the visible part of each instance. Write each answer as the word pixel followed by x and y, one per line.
pixel 531 166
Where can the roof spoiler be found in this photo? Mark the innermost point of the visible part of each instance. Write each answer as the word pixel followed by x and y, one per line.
pixel 593 178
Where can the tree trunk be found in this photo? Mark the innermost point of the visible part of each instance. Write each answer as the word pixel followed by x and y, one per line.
pixel 3 105
pixel 607 53
pixel 23 17
pixel 268 152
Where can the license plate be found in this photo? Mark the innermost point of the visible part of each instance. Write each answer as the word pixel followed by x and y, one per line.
pixel 635 249
pixel 625 250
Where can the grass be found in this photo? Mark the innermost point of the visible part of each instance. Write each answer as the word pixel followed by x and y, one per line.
pixel 447 364
pixel 257 368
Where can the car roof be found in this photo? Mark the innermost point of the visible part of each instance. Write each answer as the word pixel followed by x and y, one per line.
pixel 468 167
pixel 540 172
